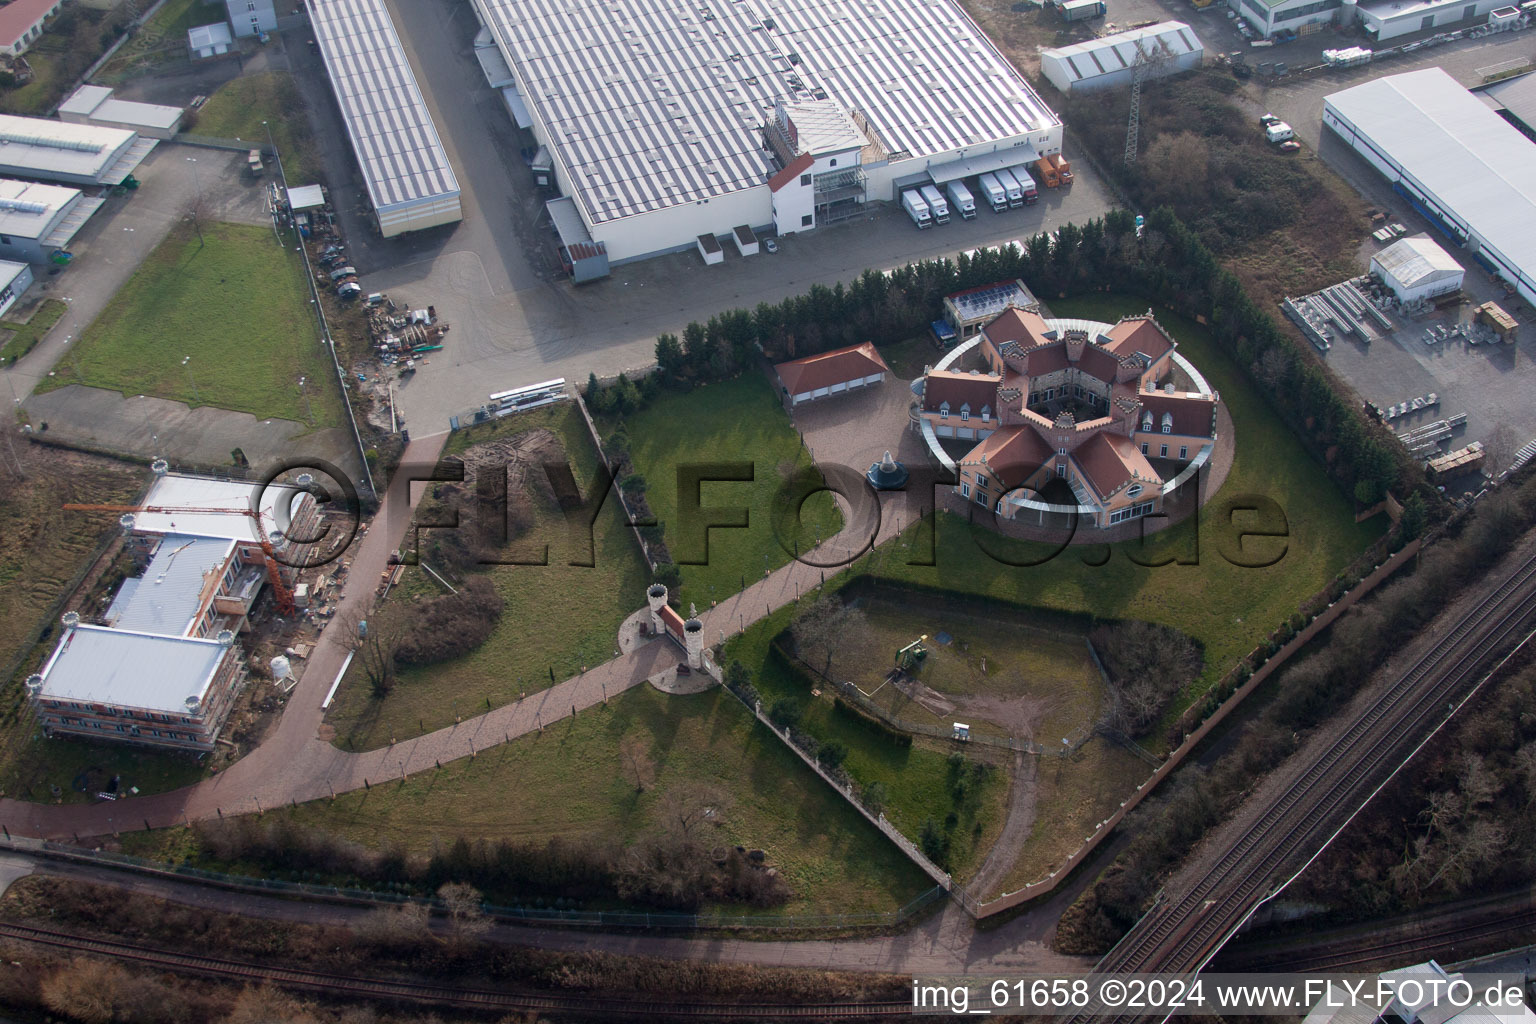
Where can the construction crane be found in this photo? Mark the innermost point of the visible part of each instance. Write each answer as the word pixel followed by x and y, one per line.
pixel 280 589
pixel 1145 64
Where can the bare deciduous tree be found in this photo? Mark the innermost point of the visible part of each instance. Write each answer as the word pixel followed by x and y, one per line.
pixel 820 628
pixel 264 1005
pixel 375 638
pixel 405 925
pixel 685 808
pixel 466 917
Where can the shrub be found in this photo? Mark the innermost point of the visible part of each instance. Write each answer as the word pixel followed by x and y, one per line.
pixel 451 625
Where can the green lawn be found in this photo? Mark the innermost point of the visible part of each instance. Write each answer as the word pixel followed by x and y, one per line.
pixel 233 301
pixel 1226 607
pixel 569 781
pixel 1004 676
pixel 237 109
pixel 917 778
pixel 25 334
pixel 736 421
pixel 907 359
pixel 578 609
pixel 71 41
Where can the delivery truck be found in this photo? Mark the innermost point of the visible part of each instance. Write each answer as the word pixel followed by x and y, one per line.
pixel 937 207
pixel 961 198
pixel 997 196
pixel 1011 186
pixel 1026 182
pixel 918 210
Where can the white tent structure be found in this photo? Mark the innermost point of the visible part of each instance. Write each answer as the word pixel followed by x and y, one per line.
pixel 1416 268
pixel 1109 62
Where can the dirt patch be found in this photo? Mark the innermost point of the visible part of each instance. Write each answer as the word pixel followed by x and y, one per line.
pixel 1022 716
pixel 532 449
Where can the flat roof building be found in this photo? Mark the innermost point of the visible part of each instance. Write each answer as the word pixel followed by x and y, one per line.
pixel 75 154
pixel 668 120
pixel 405 167
pixel 95 104
pixel 162 666
pixel 1391 19
pixel 1459 164
pixel 15 279
pixel 1514 99
pixel 1109 62
pixel 209 40
pixel 38 220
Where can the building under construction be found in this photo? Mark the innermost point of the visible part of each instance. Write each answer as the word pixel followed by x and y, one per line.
pixel 162 665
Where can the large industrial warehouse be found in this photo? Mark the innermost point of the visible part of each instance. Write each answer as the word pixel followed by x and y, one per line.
pixel 671 123
pixel 1461 165
pixel 410 182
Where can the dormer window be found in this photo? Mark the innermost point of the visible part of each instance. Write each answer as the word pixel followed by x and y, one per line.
pixel 986 413
pixel 1146 421
pixel 965 412
pixel 1134 491
pixel 1167 422
pixel 943 410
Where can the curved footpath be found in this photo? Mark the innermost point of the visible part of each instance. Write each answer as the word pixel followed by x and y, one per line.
pixel 298 763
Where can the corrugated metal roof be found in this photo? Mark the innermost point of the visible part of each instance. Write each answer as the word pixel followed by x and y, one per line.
pixel 97 665
pixel 167 597
pixel 660 103
pixel 397 146
pixel 1112 53
pixel 203 36
pixel 1517 95
pixel 1469 158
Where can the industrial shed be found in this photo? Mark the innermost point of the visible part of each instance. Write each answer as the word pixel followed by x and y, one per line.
pixel 1109 62
pixel 38 220
pixel 666 121
pixel 1469 172
pixel 1416 269
pixel 95 104
pixel 1391 19
pixel 410 182
pixel 74 154
pixel 831 373
pixel 15 279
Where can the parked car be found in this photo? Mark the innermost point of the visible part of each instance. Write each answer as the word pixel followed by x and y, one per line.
pixel 1289 146
pixel 1265 120
pixel 341 272
pixel 349 289
pixel 770 245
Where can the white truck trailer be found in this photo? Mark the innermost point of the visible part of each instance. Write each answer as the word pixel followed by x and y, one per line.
pixel 912 202
pixel 936 204
pixel 1026 182
pixel 964 202
pixel 997 196
pixel 1010 185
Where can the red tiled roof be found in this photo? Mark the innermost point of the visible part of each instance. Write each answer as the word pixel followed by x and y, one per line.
pixel 18 17
pixel 1048 359
pixel 797 167
pixel 1015 324
pixel 1138 335
pixel 1012 454
pixel 671 621
pixel 1109 460
pixel 959 388
pixel 1192 414
pixel 1099 364
pixel 836 367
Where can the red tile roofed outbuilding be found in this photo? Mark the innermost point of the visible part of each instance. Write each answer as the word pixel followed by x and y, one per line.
pixel 1111 460
pixel 840 366
pixel 672 622
pixel 18 17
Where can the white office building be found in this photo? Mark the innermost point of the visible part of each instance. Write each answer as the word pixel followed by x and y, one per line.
pixel 1469 172
pixel 667 120
pixel 251 17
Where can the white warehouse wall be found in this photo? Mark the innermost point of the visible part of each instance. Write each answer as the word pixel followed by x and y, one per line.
pixel 677 227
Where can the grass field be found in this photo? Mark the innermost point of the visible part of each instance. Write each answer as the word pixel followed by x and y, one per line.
pixel 907 359
pixel 1072 796
pixel 999 673
pixel 160 41
pixel 237 305
pixel 736 421
pixel 568 781
pixel 237 109
pixel 917 778
pixel 74 38
pixel 22 335
pixel 1226 607
pixel 42 551
pixel 577 609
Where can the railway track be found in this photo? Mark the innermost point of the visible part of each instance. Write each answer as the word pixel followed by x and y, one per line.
pixel 1176 937
pixel 334 985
